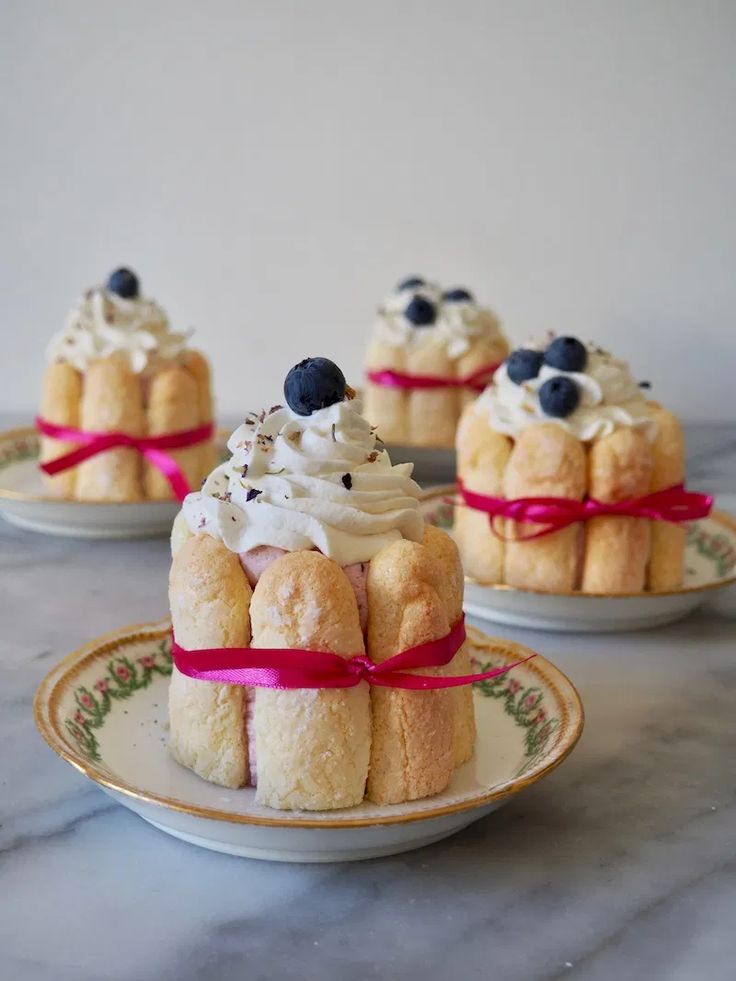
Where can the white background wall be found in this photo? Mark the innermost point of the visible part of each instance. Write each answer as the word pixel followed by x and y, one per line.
pixel 271 168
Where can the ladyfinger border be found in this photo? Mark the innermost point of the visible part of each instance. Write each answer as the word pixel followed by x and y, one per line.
pixel 30 432
pixel 720 517
pixel 62 676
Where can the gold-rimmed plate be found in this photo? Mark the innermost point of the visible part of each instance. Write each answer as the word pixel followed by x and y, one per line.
pixel 710 567
pixel 24 502
pixel 103 709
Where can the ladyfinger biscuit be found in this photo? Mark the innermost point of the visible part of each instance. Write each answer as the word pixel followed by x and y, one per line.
pixel 617 548
pixel 412 753
pixel 312 745
pixel 112 401
pixel 199 367
pixel 432 413
pixel 60 403
pixel 667 550
pixel 385 406
pixel 209 597
pixel 173 406
pixel 451 586
pixel 482 455
pixel 546 461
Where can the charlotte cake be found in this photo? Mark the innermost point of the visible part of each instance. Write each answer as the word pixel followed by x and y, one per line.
pixel 308 538
pixel 566 419
pixel 117 366
pixel 422 332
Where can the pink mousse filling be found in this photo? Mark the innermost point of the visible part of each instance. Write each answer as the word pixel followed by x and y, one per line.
pixel 254 563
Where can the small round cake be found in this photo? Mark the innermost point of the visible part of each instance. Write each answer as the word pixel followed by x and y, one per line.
pixel 118 367
pixel 431 352
pixel 566 420
pixel 309 539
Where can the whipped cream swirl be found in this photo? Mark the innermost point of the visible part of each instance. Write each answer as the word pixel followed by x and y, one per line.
pixel 302 482
pixel 458 323
pixel 609 399
pixel 103 323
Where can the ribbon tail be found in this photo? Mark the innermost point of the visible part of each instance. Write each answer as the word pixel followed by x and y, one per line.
pixel 420 682
pixel 170 469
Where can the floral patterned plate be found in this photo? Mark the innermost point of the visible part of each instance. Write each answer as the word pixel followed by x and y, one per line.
pixel 23 501
pixel 710 565
pixel 103 709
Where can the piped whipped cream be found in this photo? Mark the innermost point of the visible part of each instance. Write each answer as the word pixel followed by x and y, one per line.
pixel 610 398
pixel 301 482
pixel 103 323
pixel 457 325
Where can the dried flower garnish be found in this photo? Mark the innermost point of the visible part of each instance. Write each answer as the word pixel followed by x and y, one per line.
pixel 274 408
pixel 244 471
pixel 252 494
pixel 372 457
pixel 202 522
pixel 232 517
pixel 347 481
pixel 334 438
pixel 350 393
pixel 645 384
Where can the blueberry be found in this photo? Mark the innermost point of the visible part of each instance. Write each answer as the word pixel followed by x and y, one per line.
pixel 314 384
pixel 566 354
pixel 457 295
pixel 559 397
pixel 523 364
pixel 124 283
pixel 410 283
pixel 420 312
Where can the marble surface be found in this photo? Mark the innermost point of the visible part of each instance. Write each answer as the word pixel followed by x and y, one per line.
pixel 619 865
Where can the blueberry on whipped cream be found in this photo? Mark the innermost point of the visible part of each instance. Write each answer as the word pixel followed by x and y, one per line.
pixel 458 295
pixel 410 283
pixel 313 384
pixel 559 397
pixel 567 354
pixel 523 364
pixel 420 312
pixel 124 283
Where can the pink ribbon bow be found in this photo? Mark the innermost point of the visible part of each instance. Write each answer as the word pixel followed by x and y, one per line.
pixel 674 504
pixel 283 668
pixel 476 380
pixel 151 447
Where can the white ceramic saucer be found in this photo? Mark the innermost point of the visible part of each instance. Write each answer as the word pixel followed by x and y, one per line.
pixel 103 709
pixel 24 503
pixel 710 566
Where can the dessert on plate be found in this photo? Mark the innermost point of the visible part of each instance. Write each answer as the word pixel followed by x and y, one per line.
pixel 431 352
pixel 117 366
pixel 565 431
pixel 309 539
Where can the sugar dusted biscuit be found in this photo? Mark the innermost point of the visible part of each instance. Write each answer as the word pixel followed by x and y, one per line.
pixel 209 597
pixel 60 402
pixel 112 401
pixel 312 745
pixel 413 752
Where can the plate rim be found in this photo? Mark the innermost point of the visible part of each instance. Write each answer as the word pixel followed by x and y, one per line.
pixel 721 517
pixel 47 694
pixel 23 432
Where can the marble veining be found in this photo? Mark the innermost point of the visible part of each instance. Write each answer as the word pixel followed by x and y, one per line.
pixel 619 865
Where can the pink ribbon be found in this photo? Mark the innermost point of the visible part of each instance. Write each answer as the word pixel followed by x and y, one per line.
pixel 284 668
pixel 674 504
pixel 151 447
pixel 476 380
